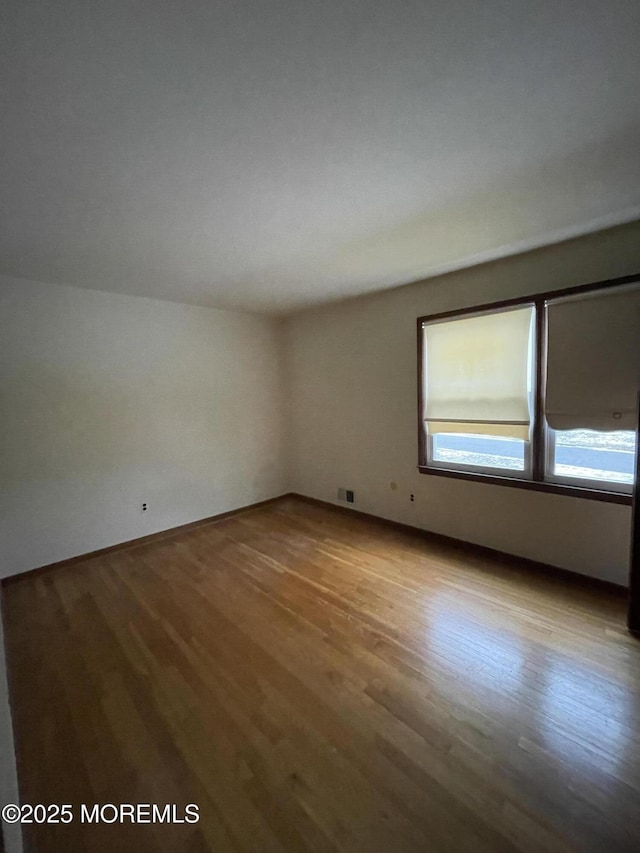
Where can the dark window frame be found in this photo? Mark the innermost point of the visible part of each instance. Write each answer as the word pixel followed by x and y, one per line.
pixel 538 439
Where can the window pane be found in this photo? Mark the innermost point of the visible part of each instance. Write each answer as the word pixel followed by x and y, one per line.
pixel 586 454
pixel 480 451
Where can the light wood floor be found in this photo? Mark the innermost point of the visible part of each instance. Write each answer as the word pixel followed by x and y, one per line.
pixel 317 682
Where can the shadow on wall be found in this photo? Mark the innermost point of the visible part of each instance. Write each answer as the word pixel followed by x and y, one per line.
pixel 468 228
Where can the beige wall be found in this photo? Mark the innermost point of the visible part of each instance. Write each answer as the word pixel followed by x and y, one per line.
pixel 351 375
pixel 107 401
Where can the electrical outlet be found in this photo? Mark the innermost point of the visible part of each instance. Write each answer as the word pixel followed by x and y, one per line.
pixel 143 507
pixel 412 498
pixel 342 494
pixel 351 498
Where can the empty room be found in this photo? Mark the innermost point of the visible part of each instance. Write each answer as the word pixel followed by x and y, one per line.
pixel 319 383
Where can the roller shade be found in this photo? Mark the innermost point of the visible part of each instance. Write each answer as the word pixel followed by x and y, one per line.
pixel 477 373
pixel 593 361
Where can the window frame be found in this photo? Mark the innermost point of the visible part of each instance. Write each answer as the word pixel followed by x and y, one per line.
pixel 538 481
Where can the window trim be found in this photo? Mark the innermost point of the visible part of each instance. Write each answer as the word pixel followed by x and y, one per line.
pixel 539 433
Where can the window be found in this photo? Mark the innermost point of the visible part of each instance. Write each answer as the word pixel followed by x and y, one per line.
pixel 479 390
pixel 479 451
pixel 583 456
pixel 539 392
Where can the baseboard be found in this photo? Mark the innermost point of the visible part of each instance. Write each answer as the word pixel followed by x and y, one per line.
pixel 471 547
pixel 144 540
pixel 459 544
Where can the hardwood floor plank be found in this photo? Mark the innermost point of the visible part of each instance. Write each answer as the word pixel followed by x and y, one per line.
pixel 320 682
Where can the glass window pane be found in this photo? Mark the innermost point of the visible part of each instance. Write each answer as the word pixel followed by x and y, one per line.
pixel 480 451
pixel 586 454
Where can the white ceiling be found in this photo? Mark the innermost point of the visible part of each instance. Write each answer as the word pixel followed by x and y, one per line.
pixel 274 155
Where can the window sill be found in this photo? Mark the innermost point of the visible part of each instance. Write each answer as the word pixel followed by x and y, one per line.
pixel 531 485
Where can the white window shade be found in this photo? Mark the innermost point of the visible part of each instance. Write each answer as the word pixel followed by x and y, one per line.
pixel 478 374
pixel 593 361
